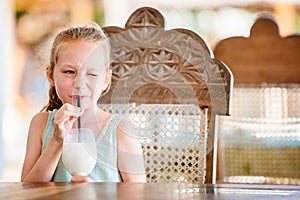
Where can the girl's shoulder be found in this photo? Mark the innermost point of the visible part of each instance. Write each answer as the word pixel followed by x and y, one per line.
pixel 38 123
pixel 40 118
pixel 43 117
pixel 127 136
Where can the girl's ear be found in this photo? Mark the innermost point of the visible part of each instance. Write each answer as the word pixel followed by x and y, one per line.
pixel 49 74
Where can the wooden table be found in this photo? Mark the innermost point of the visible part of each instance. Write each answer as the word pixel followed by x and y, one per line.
pixel 19 190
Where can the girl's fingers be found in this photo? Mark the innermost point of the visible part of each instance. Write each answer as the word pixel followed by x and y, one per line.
pixel 71 110
pixel 65 118
pixel 68 112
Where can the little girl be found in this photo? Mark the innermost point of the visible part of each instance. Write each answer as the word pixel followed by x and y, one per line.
pixel 79 68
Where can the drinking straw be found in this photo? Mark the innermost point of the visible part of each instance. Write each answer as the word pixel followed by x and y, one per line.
pixel 79 120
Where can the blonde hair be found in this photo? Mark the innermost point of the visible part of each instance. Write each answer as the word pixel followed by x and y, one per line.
pixel 93 34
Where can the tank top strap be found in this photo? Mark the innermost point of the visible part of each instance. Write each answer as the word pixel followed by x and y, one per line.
pixel 109 127
pixel 48 129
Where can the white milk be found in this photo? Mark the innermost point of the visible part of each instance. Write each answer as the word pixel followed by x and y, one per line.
pixel 78 158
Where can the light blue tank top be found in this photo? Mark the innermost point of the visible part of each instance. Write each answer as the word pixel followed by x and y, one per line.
pixel 106 168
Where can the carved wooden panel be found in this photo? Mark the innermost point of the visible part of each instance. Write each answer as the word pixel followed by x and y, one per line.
pixel 264 56
pixel 151 64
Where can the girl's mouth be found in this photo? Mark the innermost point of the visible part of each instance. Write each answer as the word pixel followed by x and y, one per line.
pixel 78 96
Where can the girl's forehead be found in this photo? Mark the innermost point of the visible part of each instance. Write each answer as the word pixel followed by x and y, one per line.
pixel 82 52
pixel 77 45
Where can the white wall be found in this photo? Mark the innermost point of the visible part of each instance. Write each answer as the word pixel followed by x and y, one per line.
pixel 8 84
pixel 3 63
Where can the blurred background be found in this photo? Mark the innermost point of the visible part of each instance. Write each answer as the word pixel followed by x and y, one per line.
pixel 26 26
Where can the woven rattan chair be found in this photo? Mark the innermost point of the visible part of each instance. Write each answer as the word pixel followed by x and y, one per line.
pixel 167 83
pixel 260 142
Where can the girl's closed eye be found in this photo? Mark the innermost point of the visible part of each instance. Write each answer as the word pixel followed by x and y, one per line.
pixel 93 74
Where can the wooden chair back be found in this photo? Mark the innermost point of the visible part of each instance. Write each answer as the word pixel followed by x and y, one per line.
pixel 171 88
pixel 260 140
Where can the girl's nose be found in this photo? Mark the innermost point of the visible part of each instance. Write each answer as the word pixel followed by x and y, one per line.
pixel 79 81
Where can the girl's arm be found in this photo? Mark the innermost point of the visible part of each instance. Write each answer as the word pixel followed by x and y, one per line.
pixel 130 156
pixel 40 166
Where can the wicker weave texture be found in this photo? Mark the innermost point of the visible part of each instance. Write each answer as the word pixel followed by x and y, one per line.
pixel 173 139
pixel 262 137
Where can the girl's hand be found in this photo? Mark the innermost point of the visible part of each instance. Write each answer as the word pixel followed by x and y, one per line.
pixel 81 179
pixel 64 119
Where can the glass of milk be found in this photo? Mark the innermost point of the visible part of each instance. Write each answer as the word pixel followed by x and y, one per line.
pixel 79 154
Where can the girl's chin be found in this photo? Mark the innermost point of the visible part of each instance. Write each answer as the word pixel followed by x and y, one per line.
pixel 86 105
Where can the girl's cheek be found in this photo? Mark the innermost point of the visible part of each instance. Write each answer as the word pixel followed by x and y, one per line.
pixel 98 90
pixel 65 85
pixel 95 84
